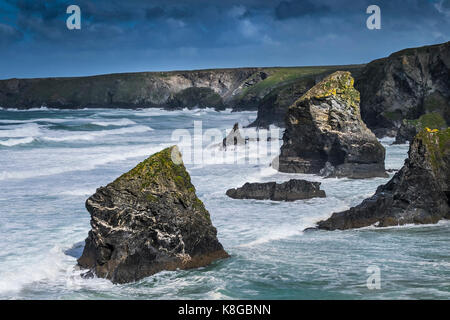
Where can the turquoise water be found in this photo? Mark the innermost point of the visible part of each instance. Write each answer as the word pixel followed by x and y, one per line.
pixel 51 161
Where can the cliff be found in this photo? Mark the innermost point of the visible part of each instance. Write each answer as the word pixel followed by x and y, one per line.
pixel 419 193
pixel 405 85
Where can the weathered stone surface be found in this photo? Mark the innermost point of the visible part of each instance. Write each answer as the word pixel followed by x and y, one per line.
pixel 287 191
pixel 405 85
pixel 325 126
pixel 419 193
pixel 149 220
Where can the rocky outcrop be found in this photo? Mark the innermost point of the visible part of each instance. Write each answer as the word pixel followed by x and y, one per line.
pixel 409 128
pixel 287 191
pixel 149 220
pixel 234 138
pixel 324 130
pixel 273 106
pixel 419 193
pixel 405 85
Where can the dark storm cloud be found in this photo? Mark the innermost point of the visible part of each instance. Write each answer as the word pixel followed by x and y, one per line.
pixel 119 35
pixel 292 9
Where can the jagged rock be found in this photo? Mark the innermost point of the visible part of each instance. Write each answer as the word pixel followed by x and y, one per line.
pixel 325 125
pixel 149 220
pixel 234 138
pixel 287 191
pixel 409 128
pixel 419 193
pixel 405 85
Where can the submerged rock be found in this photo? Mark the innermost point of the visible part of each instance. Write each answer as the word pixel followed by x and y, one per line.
pixel 287 191
pixel 149 220
pixel 325 126
pixel 419 193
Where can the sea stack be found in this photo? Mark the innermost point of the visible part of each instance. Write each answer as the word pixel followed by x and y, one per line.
pixel 418 194
pixel 149 220
pixel 234 138
pixel 326 135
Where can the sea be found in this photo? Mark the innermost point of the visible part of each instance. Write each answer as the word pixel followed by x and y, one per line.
pixel 51 161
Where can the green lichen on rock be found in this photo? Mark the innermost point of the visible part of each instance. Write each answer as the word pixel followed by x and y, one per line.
pixel 340 85
pixel 437 143
pixel 149 220
pixel 159 173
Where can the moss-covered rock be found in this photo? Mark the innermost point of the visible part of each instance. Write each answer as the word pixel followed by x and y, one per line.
pixel 149 220
pixel 409 128
pixel 419 193
pixel 325 133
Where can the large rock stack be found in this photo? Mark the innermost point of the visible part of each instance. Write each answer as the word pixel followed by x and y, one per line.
pixel 149 220
pixel 325 133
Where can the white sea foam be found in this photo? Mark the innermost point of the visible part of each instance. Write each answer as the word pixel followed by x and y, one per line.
pixel 117 123
pixel 20 131
pixel 92 135
pixel 15 142
pixel 82 160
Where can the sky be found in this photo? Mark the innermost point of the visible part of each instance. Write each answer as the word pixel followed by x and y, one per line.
pixel 146 35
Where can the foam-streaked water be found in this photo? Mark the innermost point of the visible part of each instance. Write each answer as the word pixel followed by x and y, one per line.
pixel 51 161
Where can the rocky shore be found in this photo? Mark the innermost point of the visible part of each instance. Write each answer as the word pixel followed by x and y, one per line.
pixel 418 194
pixel 149 220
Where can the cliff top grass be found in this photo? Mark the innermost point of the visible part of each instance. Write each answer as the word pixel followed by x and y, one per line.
pixel 438 145
pixel 339 84
pixel 429 120
pixel 285 75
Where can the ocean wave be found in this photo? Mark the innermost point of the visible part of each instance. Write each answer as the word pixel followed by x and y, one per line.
pixel 26 110
pixel 15 142
pixel 97 134
pixel 48 120
pixel 20 131
pixel 90 163
pixel 117 123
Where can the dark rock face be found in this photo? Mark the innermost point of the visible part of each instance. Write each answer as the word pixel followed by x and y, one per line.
pixel 287 191
pixel 149 220
pixel 128 90
pixel 419 193
pixel 272 108
pixel 405 85
pixel 324 130
pixel 196 98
